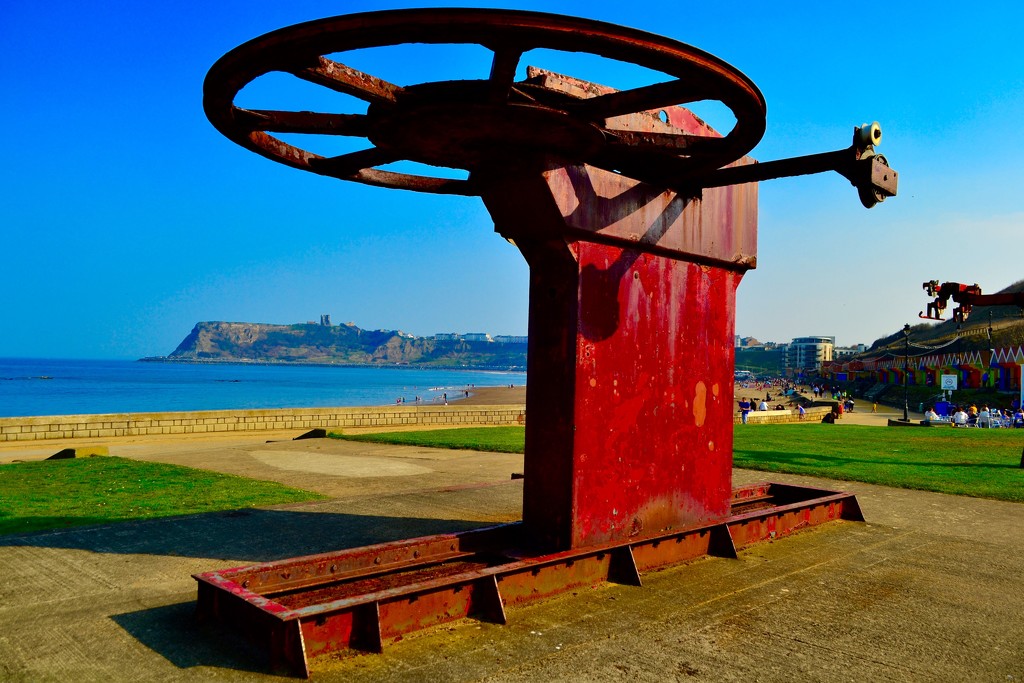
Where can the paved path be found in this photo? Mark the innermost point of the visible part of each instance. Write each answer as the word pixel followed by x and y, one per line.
pixel 928 590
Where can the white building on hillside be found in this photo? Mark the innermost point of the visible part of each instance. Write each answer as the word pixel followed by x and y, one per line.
pixel 847 351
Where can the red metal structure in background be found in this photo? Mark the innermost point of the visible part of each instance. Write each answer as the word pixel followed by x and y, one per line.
pixel 637 221
pixel 966 296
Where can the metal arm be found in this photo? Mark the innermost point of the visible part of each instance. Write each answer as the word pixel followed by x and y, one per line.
pixel 866 170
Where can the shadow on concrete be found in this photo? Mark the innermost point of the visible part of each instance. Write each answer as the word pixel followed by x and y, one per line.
pixel 250 535
pixel 173 633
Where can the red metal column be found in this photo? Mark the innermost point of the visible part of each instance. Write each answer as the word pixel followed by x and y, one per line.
pixel 629 399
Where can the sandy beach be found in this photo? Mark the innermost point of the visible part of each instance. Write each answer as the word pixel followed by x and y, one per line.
pixel 495 396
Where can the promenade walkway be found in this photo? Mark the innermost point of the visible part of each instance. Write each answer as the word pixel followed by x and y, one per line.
pixel 927 590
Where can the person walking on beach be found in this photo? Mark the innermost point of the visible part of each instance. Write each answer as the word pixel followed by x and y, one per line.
pixel 744 409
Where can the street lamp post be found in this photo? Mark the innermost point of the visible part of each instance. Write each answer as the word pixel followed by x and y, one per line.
pixel 906 368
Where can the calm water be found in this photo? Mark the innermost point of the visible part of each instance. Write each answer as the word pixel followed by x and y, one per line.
pixel 76 387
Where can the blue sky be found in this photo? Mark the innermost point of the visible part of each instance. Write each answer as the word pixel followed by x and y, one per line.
pixel 126 218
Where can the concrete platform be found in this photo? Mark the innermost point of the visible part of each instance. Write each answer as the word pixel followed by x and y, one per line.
pixel 929 589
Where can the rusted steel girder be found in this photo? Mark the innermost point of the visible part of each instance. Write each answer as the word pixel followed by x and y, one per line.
pixel 365 598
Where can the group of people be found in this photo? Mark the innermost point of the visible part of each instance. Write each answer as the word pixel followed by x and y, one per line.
pixel 835 393
pixel 780 384
pixel 972 417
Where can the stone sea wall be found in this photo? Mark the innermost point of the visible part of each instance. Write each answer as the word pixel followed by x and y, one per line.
pixel 221 421
pixel 759 417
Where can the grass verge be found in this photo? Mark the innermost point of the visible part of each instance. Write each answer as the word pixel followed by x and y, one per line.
pixel 63 493
pixel 984 463
pixel 493 439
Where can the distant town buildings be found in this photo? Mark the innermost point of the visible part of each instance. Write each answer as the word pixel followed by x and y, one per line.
pixel 748 343
pixel 480 337
pixel 752 344
pixel 840 352
pixel 803 353
pixel 325 321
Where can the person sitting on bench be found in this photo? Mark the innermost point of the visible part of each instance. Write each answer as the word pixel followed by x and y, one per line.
pixel 960 418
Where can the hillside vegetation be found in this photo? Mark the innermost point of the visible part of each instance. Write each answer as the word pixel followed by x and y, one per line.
pixel 337 344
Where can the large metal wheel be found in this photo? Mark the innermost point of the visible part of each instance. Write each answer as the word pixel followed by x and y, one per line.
pixel 483 125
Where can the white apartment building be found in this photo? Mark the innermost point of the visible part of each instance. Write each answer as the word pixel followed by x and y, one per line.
pixel 807 353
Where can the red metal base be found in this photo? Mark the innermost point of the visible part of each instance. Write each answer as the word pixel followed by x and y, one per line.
pixel 362 598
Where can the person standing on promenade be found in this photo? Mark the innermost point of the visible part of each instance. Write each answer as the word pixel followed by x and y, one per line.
pixel 744 409
pixel 984 418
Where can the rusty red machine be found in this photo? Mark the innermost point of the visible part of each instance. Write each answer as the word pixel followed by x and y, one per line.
pixel 637 221
pixel 966 297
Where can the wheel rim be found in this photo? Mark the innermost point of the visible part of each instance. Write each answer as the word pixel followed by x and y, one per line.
pixel 509 114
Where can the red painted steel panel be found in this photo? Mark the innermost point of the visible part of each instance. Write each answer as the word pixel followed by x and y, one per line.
pixel 653 418
pixel 672 550
pixel 330 634
pixel 544 580
pixel 720 227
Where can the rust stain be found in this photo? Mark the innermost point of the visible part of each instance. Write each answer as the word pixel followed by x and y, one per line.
pixel 700 409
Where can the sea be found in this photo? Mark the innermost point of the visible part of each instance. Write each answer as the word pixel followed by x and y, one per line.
pixel 82 387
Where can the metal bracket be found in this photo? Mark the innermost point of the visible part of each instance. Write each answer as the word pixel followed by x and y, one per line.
pixel 866 170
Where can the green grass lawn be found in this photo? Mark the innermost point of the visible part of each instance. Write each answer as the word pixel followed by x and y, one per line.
pixel 56 494
pixel 495 439
pixel 973 462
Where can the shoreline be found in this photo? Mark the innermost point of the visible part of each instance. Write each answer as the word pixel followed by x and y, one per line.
pixel 494 396
pixel 326 364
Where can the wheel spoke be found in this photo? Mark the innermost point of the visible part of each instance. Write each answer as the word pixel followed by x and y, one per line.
pixel 301 122
pixel 345 79
pixel 418 183
pixel 641 99
pixel 503 73
pixel 347 165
